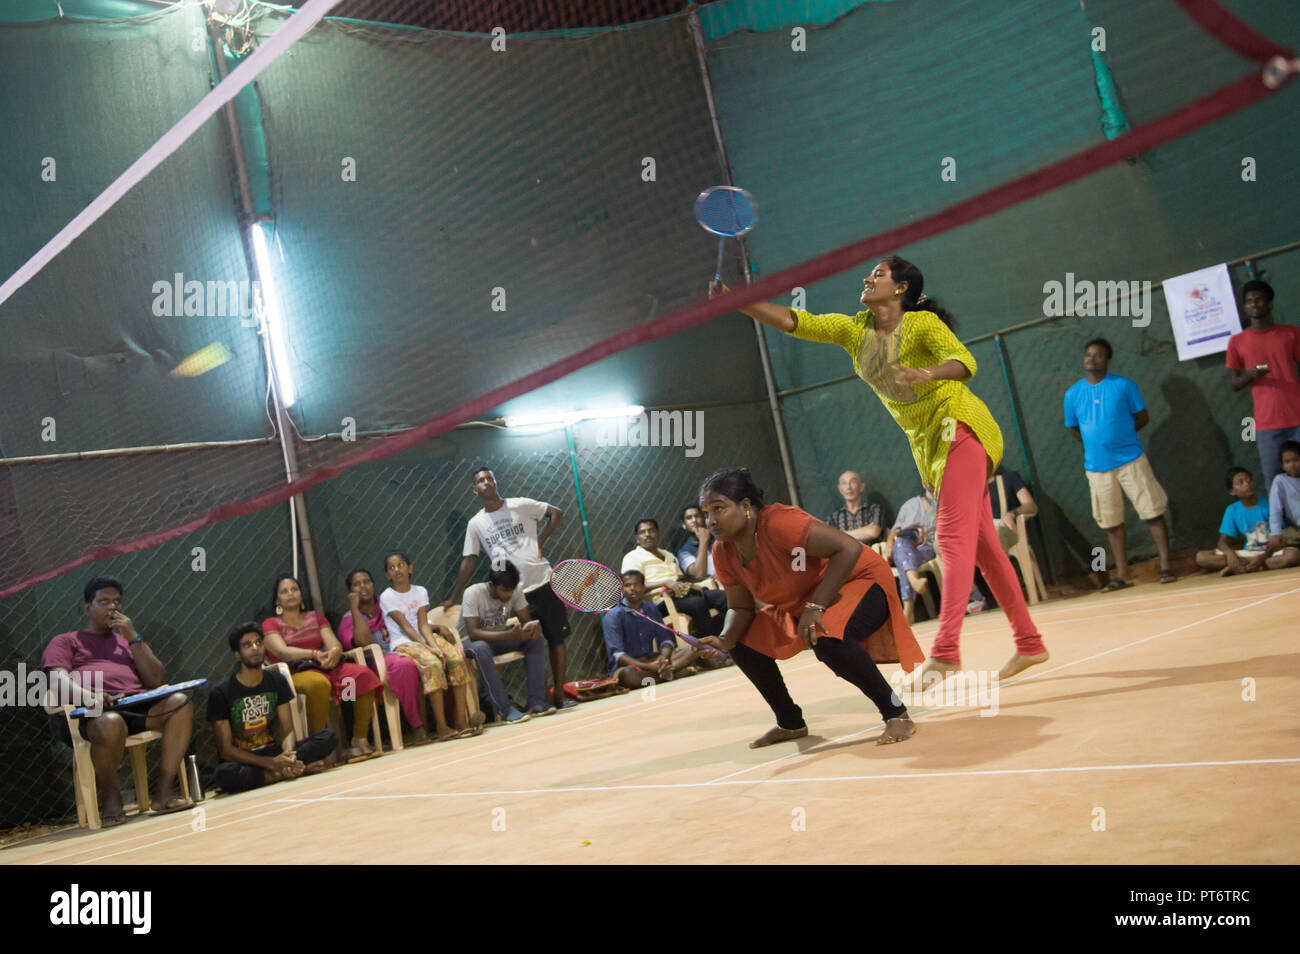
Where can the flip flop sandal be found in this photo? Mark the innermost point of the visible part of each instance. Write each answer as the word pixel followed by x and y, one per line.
pixel 169 809
pixel 112 821
pixel 1114 585
pixel 1167 577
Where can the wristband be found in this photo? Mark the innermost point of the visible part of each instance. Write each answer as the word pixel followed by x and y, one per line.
pixel 138 639
pixel 817 606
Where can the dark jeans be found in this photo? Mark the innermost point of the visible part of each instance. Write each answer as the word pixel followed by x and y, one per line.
pixel 845 657
pixel 485 654
pixel 697 604
pixel 237 777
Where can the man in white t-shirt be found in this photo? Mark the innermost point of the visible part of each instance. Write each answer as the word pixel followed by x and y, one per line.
pixel 660 568
pixel 507 529
pixel 486 634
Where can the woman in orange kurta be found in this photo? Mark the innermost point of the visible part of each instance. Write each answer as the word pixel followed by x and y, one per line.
pixel 824 591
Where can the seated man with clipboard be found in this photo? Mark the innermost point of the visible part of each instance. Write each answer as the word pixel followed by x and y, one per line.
pixel 95 667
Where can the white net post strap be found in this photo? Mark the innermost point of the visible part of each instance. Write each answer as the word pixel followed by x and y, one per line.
pixel 298 24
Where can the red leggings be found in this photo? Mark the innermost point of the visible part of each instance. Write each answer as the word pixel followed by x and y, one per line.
pixel 966 537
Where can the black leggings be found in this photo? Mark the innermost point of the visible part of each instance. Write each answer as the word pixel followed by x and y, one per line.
pixel 845 657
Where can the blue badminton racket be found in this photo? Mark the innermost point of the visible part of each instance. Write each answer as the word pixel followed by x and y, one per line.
pixel 727 212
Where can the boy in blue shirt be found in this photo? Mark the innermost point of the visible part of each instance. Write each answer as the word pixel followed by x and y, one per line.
pixel 1105 412
pixel 1243 533
pixel 1284 507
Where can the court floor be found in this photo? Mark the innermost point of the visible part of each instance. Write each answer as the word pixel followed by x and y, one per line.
pixel 1164 729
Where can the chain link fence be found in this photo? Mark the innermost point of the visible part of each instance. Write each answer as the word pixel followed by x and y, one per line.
pixel 186 595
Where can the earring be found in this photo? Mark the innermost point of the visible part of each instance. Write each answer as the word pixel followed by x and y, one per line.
pixel 279 610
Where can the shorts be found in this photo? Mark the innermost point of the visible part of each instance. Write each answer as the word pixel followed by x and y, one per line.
pixel 1134 480
pixel 134 718
pixel 547 608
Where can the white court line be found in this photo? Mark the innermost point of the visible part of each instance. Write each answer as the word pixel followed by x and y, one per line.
pixel 595 719
pixel 390 775
pixel 1032 675
pixel 893 776
pixel 1068 609
pixel 1083 620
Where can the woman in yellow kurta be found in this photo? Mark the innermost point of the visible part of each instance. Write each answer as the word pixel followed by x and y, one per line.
pixel 903 348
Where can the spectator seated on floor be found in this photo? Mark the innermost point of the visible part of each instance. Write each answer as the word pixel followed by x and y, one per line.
pixel 1284 507
pixel 639 651
pixel 246 709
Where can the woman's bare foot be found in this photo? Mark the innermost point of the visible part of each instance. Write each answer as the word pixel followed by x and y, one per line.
pixel 446 733
pixel 420 736
pixel 320 765
pixel 778 734
pixel 898 729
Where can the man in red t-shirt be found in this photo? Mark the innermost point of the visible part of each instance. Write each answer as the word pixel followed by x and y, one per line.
pixel 110 647
pixel 1264 356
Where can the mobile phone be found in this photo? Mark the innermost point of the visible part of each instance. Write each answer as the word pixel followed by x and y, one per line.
pixel 1261 367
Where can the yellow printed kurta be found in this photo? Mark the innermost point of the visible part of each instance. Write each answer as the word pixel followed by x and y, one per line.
pixel 921 340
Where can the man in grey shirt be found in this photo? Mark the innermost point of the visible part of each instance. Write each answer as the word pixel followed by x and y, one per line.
pixel 486 635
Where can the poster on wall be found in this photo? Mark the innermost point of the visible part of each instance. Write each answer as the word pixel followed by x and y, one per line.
pixel 1203 311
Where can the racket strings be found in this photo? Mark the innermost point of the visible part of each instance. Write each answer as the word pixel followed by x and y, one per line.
pixel 589 586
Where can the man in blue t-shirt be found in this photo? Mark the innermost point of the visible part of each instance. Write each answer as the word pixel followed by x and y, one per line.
pixel 1105 411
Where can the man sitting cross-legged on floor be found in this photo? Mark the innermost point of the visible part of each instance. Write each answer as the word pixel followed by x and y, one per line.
pixel 484 611
pixel 244 711
pixel 640 651
pixel 111 651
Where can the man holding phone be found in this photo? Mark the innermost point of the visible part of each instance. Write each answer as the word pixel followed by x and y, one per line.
pixel 1264 356
pixel 111 650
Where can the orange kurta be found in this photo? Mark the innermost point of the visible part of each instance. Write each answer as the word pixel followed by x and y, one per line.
pixel 773 579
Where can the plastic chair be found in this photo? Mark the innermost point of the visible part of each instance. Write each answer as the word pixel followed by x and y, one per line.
pixel 392 709
pixel 83 772
pixel 1023 553
pixel 450 618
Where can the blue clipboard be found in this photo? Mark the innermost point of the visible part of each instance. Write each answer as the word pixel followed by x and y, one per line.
pixel 149 695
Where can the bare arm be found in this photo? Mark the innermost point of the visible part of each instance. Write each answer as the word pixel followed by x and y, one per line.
pixel 232 753
pixel 699 567
pixel 867 534
pixel 1244 378
pixel 841 550
pixel 740 613
pixel 1141 419
pixel 278 648
pixel 1028 506
pixel 553 516
pixel 765 312
pixel 467 565
pixel 1075 431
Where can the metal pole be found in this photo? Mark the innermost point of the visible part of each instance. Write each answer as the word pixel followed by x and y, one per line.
pixel 774 405
pixel 1024 453
pixel 577 486
pixel 298 508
